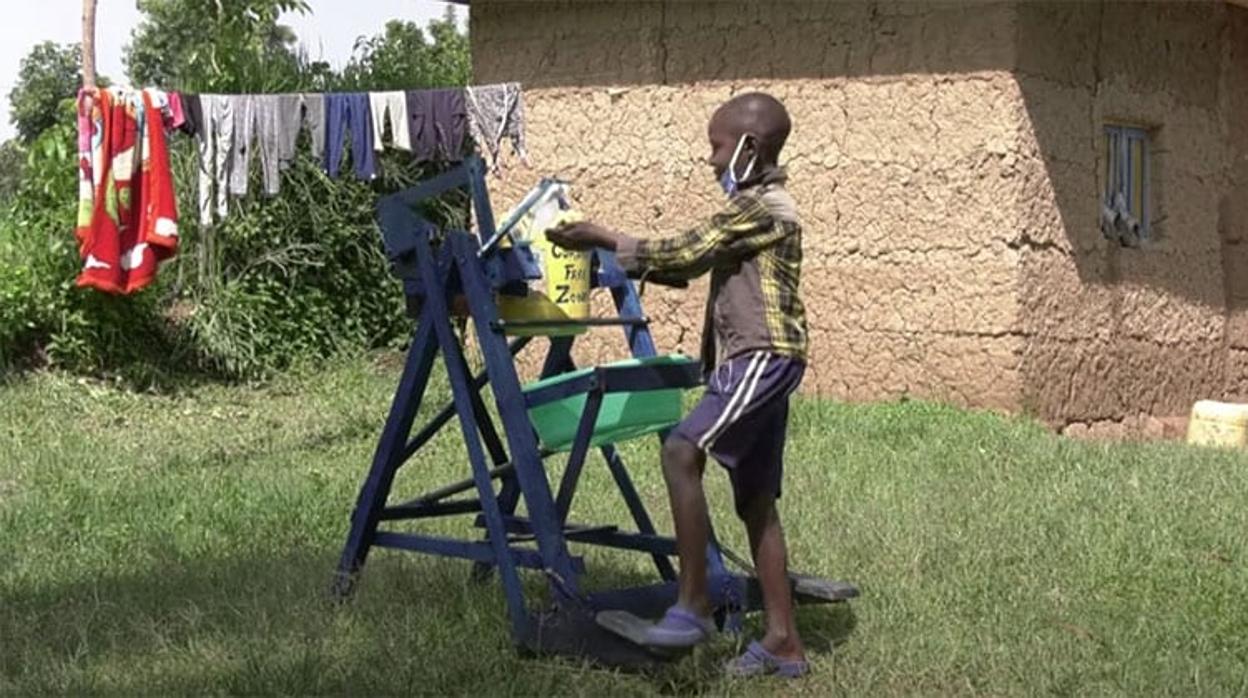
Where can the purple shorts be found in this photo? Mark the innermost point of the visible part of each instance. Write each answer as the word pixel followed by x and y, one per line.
pixel 742 418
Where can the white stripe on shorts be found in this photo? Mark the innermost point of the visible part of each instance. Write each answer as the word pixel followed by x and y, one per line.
pixel 747 380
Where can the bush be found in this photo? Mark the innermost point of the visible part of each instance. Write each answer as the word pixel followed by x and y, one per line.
pixel 302 274
pixel 44 317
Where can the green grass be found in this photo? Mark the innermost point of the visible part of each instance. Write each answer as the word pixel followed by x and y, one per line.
pixel 175 544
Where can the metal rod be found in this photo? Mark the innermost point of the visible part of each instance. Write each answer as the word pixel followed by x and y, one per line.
pixel 498 325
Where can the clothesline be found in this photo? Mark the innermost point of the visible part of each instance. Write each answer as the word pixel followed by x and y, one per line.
pixel 430 124
pixel 127 220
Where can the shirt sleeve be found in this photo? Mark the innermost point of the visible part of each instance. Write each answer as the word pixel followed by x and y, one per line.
pixel 743 228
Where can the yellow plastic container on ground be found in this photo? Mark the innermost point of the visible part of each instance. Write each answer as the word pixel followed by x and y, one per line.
pixel 1223 424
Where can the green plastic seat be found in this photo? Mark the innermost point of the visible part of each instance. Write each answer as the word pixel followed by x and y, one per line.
pixel 623 415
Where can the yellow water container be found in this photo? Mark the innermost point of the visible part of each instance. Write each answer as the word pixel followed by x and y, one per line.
pixel 1215 423
pixel 535 307
pixel 566 271
pixel 563 292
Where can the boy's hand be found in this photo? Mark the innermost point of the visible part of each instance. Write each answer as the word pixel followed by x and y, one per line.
pixel 583 235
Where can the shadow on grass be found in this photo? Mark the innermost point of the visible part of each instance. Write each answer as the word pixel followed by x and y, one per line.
pixel 268 624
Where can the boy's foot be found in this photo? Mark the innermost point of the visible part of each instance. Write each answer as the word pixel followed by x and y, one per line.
pixel 680 628
pixel 757 661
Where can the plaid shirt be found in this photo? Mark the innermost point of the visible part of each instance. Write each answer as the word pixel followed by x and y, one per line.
pixel 753 249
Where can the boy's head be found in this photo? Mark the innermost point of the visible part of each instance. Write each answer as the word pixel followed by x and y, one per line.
pixel 752 127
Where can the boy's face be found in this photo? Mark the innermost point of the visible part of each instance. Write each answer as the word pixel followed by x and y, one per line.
pixel 723 143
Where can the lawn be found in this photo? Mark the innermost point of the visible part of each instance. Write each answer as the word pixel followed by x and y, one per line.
pixel 184 543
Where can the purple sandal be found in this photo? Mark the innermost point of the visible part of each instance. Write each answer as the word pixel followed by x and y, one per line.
pixel 679 628
pixel 757 661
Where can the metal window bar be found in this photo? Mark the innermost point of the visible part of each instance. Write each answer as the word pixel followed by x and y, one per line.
pixel 1123 166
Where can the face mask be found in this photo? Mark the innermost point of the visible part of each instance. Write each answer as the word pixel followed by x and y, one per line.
pixel 728 180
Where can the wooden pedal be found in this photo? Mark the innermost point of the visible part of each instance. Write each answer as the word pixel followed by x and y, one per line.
pixel 823 589
pixel 624 624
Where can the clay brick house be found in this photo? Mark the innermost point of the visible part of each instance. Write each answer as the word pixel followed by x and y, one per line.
pixel 1036 207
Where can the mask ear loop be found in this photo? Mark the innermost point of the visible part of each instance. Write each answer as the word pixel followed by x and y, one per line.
pixel 749 168
pixel 732 164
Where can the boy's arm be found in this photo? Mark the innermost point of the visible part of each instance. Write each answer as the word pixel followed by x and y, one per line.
pixel 743 228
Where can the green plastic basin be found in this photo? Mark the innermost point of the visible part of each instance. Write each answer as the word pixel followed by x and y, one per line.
pixel 623 415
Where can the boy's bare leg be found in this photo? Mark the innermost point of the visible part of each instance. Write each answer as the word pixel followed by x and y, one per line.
pixel 683 464
pixel 762 522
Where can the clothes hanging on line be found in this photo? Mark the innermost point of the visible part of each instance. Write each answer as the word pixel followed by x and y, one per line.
pixel 243 107
pixel 232 131
pixel 496 112
pixel 127 212
pixel 280 120
pixel 393 105
pixel 348 113
pixel 431 124
pixel 215 139
pixel 314 119
pixel 193 113
pixel 439 122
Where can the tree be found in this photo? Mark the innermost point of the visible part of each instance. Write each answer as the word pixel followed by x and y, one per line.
pixel 214 45
pixel 12 161
pixel 49 74
pixel 402 57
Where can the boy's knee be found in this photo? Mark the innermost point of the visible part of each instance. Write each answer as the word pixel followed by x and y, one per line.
pixel 757 510
pixel 680 456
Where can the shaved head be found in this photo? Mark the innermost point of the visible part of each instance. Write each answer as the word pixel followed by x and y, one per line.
pixel 759 115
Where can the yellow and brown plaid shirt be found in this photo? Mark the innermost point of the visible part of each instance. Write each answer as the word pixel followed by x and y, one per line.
pixel 753 249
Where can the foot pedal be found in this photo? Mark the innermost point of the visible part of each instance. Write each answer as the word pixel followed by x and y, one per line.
pixel 822 589
pixel 624 624
pixel 574 633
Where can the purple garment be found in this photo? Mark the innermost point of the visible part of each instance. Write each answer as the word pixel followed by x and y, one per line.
pixel 438 121
pixel 349 112
pixel 193 112
pixel 742 418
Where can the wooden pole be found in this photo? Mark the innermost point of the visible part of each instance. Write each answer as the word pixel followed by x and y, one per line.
pixel 88 44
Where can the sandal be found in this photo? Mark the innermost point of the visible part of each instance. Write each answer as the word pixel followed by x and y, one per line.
pixel 757 661
pixel 680 628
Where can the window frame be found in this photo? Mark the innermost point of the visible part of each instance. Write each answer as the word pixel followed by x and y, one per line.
pixel 1120 167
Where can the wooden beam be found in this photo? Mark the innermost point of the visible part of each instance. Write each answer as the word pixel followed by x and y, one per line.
pixel 88 43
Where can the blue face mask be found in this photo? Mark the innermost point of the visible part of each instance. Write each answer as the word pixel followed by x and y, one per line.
pixel 728 180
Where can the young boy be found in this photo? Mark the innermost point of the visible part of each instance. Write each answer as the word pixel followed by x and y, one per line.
pixel 753 349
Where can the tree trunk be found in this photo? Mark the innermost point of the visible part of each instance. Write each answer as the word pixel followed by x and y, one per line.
pixel 88 43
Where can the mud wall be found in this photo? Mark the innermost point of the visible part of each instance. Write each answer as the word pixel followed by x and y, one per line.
pixel 1115 334
pixel 1233 207
pixel 947 159
pixel 902 161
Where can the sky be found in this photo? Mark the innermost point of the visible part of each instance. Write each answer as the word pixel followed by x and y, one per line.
pixel 328 32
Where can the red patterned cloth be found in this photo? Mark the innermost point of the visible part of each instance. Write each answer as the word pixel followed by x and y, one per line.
pixel 127 213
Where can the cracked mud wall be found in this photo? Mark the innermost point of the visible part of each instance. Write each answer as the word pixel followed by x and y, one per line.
pixel 1233 208
pixel 903 160
pixel 1114 333
pixel 947 161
